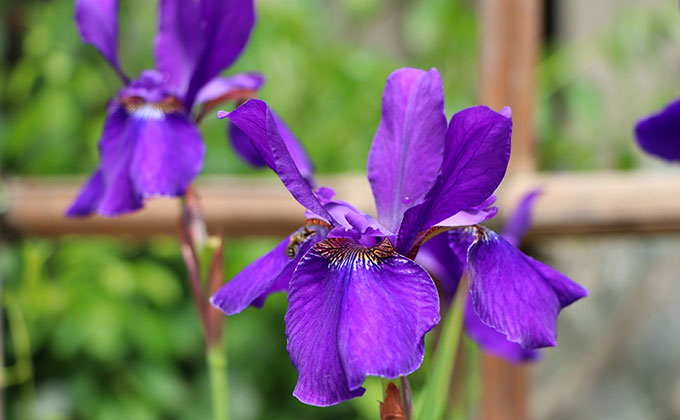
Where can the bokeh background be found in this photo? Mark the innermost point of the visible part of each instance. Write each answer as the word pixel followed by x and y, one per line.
pixel 101 328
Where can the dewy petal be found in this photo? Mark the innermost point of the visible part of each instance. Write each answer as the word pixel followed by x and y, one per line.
pixel 475 160
pixel 519 221
pixel 406 153
pixel 659 134
pixel 268 274
pixel 493 342
pixel 196 40
pixel 97 22
pixel 515 294
pixel 223 87
pixel 258 122
pixel 143 153
pixel 356 311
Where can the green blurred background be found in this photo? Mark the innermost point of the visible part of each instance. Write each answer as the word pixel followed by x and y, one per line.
pixel 105 329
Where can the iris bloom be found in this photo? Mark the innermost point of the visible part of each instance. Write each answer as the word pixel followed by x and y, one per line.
pixel 150 145
pixel 358 305
pixel 659 133
pixel 446 262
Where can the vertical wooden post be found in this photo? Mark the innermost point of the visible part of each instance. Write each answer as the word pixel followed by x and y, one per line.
pixel 509 54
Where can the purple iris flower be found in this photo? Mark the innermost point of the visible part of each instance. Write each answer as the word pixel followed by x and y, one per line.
pixel 659 133
pixel 447 264
pixel 150 145
pixel 358 305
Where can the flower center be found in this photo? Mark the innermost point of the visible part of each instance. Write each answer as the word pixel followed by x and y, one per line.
pixel 339 251
pixel 139 107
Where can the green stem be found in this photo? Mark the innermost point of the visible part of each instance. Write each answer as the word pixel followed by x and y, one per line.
pixel 434 397
pixel 217 369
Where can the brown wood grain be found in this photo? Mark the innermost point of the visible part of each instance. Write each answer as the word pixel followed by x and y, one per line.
pixel 509 53
pixel 510 42
pixel 572 203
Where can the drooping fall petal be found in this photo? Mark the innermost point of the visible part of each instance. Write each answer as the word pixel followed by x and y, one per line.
pixel 515 294
pixel 268 274
pixel 356 311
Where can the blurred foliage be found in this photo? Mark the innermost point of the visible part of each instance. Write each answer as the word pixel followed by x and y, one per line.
pixel 104 328
pixel 325 63
pixel 594 85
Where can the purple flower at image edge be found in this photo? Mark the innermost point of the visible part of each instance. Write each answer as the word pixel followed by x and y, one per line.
pixel 358 305
pixel 150 144
pixel 659 133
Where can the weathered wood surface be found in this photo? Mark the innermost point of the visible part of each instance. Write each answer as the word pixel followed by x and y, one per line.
pixel 572 203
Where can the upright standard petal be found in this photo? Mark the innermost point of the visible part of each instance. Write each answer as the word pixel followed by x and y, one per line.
pixel 97 22
pixel 406 153
pixel 475 159
pixel 356 311
pixel 196 40
pixel 515 294
pixel 659 134
pixel 258 122
pixel 269 273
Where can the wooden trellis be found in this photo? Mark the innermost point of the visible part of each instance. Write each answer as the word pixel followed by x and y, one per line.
pixel 595 202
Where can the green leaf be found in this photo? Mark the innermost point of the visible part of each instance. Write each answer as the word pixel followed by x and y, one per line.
pixel 433 399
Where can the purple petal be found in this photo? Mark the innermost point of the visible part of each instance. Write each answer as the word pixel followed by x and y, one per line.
pixel 519 221
pixel 268 274
pixel 297 151
pixel 356 311
pixel 243 147
pixel 97 22
pixel 196 40
pixel 257 121
pixel 221 87
pixel 475 160
pixel 89 198
pixel 472 216
pixel 659 134
pixel 515 294
pixel 144 153
pixel 168 155
pixel 406 153
pixel 493 342
pixel 443 263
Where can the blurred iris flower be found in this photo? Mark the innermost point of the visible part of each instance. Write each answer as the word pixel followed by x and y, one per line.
pixel 151 145
pixel 445 258
pixel 358 305
pixel 659 133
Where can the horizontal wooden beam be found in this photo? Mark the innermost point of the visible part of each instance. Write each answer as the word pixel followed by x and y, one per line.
pixel 573 203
